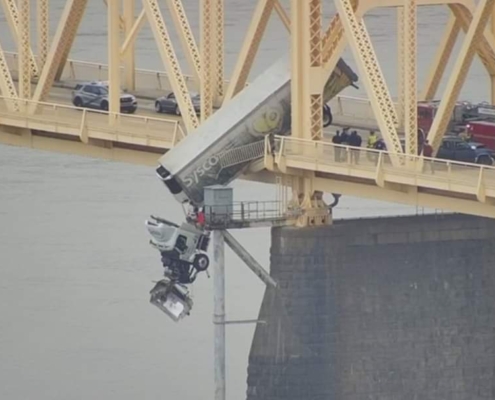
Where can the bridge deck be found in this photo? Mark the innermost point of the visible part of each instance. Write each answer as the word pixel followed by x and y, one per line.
pixel 57 125
pixel 460 183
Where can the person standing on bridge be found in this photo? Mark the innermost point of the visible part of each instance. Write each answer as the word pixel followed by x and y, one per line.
pixel 337 140
pixel 372 140
pixel 428 152
pixel 355 142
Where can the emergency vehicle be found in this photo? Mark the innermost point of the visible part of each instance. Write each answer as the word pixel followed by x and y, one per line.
pixel 478 120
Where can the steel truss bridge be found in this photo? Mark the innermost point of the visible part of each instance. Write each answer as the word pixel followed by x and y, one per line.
pixel 35 111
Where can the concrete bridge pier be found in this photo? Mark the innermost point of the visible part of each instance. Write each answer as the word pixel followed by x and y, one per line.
pixel 388 308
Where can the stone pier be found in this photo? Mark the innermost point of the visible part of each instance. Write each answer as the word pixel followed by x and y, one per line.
pixel 379 309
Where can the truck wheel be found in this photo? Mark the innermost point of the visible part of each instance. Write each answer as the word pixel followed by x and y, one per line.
pixel 78 102
pixel 327 116
pixel 485 160
pixel 201 262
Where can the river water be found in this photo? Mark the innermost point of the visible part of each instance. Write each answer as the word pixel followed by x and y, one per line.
pixel 75 266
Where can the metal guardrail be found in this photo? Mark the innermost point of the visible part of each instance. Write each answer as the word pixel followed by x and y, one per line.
pixel 76 70
pixel 447 175
pixel 247 212
pixel 85 123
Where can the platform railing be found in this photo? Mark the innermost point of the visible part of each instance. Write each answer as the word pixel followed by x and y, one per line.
pixel 467 178
pixel 247 211
pixel 74 121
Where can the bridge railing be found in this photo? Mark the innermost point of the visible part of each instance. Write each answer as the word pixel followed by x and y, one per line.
pixel 76 70
pixel 73 121
pixel 435 173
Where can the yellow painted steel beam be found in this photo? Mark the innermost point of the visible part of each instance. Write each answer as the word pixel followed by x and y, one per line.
pixel 186 37
pixel 250 47
pixel 301 67
pixel 282 14
pixel 442 57
pixel 371 74
pixel 60 47
pixel 459 72
pixel 75 19
pixel 113 18
pixel 400 62
pixel 132 31
pixel 492 76
pixel 24 49
pixel 219 43
pixel 207 48
pixel 485 47
pixel 121 19
pixel 316 60
pixel 43 26
pixel 171 64
pixel 7 86
pixel 12 15
pixel 410 76
pixel 128 56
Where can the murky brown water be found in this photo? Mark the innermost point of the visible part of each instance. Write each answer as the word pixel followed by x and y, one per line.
pixel 75 266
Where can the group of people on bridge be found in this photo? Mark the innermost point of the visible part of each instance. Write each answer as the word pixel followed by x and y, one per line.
pixel 353 142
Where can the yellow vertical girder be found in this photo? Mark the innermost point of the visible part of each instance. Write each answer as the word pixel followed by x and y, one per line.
pixel 316 59
pixel 24 49
pixel 132 33
pixel 113 26
pixel 284 17
pixel 459 72
pixel 121 19
pixel 12 16
pixel 441 60
pixel 219 42
pixel 301 67
pixel 128 57
pixel 207 49
pixel 400 63
pixel 60 47
pixel 371 74
pixel 250 47
pixel 492 76
pixel 306 60
pixel 410 73
pixel 43 26
pixel 171 64
pixel 186 37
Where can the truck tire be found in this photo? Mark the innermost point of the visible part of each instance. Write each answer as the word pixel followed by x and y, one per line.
pixel 484 160
pixel 327 116
pixel 201 262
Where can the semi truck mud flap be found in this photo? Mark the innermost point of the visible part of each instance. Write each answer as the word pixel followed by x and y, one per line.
pixel 172 299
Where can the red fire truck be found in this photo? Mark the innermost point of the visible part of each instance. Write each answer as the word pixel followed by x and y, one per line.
pixel 477 119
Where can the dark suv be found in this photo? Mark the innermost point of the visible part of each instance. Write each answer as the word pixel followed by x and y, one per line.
pixel 95 95
pixel 454 148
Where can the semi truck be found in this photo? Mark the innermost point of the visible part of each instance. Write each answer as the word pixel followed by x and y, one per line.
pixel 228 141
